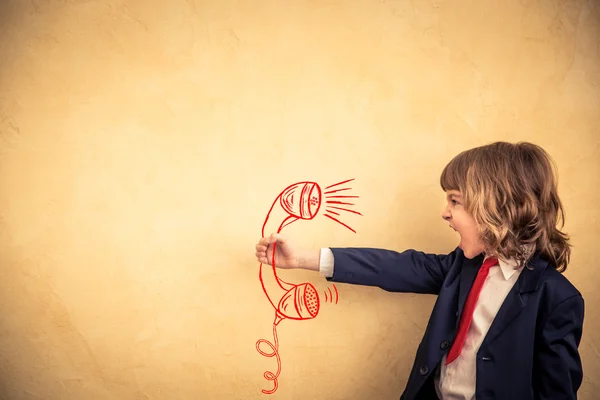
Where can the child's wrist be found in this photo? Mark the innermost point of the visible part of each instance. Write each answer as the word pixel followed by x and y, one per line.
pixel 309 259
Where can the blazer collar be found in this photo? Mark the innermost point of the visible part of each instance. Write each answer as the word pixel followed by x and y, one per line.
pixel 530 277
pixel 528 281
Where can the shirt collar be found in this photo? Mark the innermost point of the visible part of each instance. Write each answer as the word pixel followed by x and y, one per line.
pixel 508 267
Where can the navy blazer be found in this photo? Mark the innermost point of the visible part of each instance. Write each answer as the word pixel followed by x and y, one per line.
pixel 531 348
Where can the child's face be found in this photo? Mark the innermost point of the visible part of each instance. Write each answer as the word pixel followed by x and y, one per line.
pixel 463 223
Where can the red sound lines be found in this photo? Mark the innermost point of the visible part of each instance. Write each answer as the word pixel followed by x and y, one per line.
pixel 343 209
pixel 330 207
pixel 339 222
pixel 340 183
pixel 336 294
pixel 330 296
pixel 338 202
pixel 301 200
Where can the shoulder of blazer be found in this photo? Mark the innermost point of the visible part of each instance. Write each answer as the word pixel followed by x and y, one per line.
pixel 553 286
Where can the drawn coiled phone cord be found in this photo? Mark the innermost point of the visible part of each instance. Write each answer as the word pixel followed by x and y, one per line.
pixel 275 347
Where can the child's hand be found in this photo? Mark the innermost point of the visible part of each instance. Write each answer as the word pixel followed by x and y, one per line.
pixel 286 256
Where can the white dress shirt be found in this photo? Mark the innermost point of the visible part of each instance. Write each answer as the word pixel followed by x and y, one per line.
pixel 456 381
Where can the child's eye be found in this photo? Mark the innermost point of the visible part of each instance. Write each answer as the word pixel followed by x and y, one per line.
pixel 455 202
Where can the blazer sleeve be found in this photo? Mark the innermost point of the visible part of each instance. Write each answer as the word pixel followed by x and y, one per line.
pixel 409 271
pixel 558 372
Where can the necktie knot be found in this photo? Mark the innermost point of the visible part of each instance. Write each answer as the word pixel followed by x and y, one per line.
pixel 489 263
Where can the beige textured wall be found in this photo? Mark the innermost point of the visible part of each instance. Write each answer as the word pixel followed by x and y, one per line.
pixel 142 143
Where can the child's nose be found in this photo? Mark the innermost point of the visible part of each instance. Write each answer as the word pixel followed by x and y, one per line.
pixel 446 215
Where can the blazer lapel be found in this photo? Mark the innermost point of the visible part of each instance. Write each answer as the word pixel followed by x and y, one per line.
pixel 516 299
pixel 511 307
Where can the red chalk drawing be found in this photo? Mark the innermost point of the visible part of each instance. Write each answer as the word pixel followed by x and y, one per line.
pixel 300 201
pixel 331 297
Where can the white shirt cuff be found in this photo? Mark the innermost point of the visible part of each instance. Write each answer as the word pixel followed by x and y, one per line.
pixel 326 262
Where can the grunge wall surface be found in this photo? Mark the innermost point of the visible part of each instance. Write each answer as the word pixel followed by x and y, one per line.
pixel 142 144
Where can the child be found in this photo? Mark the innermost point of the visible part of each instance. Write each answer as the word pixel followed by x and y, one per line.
pixel 506 324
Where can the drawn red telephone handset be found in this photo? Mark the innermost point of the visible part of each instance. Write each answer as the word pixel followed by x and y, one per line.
pixel 300 201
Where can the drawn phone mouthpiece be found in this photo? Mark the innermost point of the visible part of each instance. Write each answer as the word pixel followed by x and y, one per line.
pixel 300 302
pixel 299 201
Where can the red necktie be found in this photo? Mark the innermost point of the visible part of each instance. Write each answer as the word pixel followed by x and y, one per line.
pixel 467 315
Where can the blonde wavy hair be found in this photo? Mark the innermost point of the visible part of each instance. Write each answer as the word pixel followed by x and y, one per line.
pixel 511 191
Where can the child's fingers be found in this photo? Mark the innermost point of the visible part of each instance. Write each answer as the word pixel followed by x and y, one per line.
pixel 262 258
pixel 272 238
pixel 279 238
pixel 261 247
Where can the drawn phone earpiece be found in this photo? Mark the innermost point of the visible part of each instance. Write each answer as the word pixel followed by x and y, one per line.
pixel 301 200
